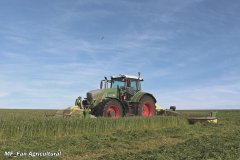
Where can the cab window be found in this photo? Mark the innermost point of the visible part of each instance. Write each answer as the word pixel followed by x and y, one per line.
pixel 133 84
pixel 117 83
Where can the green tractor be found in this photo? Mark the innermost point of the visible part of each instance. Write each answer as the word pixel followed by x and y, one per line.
pixel 118 97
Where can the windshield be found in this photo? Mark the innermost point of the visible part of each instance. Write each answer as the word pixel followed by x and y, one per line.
pixel 117 83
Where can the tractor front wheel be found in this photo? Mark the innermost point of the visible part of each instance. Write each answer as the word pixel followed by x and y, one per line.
pixel 112 108
pixel 146 106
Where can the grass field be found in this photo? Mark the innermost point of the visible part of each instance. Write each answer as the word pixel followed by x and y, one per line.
pixel 125 138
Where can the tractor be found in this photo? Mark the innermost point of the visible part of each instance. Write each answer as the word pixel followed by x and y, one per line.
pixel 118 97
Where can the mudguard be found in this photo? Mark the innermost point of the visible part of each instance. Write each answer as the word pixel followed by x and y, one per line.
pixel 137 97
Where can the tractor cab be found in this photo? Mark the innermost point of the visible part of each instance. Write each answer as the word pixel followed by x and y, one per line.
pixel 126 82
pixel 127 85
pixel 122 82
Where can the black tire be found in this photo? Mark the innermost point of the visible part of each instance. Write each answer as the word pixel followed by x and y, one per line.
pixel 146 106
pixel 173 108
pixel 111 108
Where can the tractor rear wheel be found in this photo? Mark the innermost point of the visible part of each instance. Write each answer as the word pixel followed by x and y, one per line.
pixel 112 108
pixel 146 106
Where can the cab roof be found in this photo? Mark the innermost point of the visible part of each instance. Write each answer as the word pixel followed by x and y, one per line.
pixel 127 76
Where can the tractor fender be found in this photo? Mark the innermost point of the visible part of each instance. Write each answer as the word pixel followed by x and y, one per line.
pixel 139 95
pixel 124 106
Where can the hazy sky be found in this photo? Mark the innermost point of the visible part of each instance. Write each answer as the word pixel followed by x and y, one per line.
pixel 52 51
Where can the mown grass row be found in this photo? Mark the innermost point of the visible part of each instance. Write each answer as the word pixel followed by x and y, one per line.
pixel 19 125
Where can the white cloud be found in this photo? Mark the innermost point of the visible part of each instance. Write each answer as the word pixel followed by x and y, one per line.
pixel 203 97
pixel 4 94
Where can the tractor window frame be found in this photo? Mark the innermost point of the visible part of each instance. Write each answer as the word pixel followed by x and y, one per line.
pixel 139 87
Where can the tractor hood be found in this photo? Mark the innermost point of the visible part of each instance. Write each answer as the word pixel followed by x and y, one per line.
pixel 94 94
pixel 100 94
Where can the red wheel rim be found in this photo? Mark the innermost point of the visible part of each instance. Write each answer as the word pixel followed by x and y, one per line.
pixel 147 110
pixel 113 111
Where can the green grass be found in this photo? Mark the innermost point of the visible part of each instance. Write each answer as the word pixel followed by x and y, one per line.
pixel 124 138
pixel 34 124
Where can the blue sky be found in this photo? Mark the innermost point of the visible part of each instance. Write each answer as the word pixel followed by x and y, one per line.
pixel 187 51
